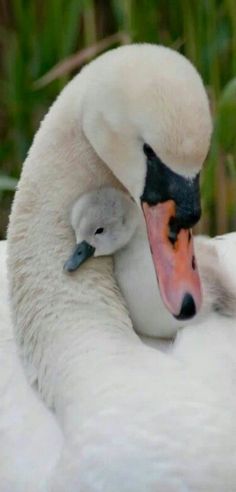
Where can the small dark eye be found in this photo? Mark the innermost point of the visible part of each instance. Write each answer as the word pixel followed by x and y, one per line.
pixel 100 230
pixel 148 151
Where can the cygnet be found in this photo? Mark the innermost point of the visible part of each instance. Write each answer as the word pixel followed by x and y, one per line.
pixel 107 221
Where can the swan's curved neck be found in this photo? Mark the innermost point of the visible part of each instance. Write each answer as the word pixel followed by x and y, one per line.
pixel 64 324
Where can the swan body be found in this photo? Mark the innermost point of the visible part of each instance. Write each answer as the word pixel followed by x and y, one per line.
pixel 206 349
pixel 30 437
pixel 129 414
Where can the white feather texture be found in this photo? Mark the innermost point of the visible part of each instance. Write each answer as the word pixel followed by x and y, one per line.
pixel 207 354
pixel 30 437
pixel 133 418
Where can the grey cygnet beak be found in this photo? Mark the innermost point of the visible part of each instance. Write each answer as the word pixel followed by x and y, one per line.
pixel 81 253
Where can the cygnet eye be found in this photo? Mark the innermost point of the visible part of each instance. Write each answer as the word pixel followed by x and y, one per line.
pixel 100 230
pixel 149 152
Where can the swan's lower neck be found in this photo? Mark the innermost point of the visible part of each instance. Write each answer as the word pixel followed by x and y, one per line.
pixel 64 324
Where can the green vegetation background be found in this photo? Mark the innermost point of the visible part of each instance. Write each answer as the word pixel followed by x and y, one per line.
pixel 39 35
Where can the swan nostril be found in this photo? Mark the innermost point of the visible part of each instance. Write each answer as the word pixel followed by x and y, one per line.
pixel 172 236
pixel 173 230
pixel 193 263
pixel 188 308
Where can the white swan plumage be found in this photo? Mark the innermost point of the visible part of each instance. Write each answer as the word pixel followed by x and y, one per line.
pixel 25 424
pixel 131 417
pixel 106 221
pixel 30 437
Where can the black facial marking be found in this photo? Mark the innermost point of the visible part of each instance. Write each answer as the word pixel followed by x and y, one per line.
pixel 100 230
pixel 163 184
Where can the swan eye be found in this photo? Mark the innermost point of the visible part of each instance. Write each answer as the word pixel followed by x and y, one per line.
pixel 150 154
pixel 100 230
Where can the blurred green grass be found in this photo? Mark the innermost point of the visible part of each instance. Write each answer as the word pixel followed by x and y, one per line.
pixel 36 35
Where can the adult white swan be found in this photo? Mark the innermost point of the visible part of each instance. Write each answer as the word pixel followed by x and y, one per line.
pixel 133 419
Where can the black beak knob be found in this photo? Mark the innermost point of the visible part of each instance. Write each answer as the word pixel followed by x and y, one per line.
pixel 188 308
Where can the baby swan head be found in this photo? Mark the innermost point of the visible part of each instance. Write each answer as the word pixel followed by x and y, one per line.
pixel 104 221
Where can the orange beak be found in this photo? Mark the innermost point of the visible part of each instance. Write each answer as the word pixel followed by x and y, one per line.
pixel 174 261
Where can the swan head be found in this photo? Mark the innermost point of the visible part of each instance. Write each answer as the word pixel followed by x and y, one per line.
pixel 146 114
pixel 104 221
